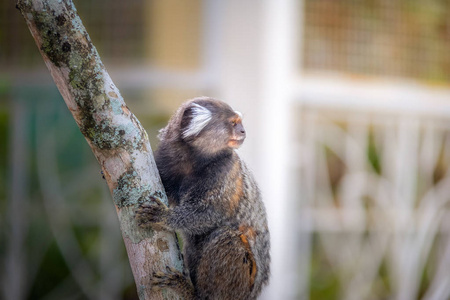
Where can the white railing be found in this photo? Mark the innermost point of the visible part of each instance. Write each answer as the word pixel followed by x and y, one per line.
pixel 367 218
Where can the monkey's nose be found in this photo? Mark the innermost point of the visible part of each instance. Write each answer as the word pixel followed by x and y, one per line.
pixel 240 129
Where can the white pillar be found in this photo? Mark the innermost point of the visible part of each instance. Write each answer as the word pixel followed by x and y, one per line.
pixel 279 66
pixel 257 55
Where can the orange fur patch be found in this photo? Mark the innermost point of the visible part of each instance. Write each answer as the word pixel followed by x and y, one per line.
pixel 251 258
pixel 236 119
pixel 234 144
pixel 248 231
pixel 237 194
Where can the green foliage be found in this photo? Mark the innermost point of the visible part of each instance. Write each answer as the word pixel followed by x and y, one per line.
pixel 324 282
pixel 373 156
pixel 64 207
pixel 52 272
pixel 4 136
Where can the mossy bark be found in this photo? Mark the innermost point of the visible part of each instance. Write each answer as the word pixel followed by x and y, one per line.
pixel 116 137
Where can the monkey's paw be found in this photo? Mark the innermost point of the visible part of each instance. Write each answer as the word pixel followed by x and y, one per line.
pixel 152 213
pixel 173 279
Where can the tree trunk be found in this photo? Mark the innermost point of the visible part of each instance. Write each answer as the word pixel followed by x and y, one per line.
pixel 116 137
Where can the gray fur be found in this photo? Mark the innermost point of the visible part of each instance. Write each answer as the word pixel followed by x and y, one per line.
pixel 215 204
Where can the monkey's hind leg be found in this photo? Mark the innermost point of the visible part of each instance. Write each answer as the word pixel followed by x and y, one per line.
pixel 175 280
pixel 227 267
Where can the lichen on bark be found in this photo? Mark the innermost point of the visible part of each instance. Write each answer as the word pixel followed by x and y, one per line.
pixel 65 42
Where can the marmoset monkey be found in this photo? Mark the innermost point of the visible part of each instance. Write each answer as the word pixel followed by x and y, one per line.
pixel 214 203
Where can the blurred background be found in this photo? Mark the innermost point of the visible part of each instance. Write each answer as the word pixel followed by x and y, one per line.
pixel 347 109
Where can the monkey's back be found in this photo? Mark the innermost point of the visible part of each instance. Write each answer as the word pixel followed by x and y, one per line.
pixel 215 201
pixel 231 259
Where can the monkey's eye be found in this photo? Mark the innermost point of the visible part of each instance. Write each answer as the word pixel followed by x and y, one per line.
pixel 233 123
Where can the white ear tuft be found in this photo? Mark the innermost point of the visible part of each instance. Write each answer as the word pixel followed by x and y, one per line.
pixel 200 118
pixel 238 113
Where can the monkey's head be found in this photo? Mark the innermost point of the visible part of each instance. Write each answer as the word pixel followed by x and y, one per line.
pixel 211 126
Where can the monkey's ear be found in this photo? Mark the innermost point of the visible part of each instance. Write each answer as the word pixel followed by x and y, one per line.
pixel 195 118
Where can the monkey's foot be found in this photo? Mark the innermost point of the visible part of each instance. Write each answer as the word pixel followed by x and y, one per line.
pixel 173 279
pixel 153 213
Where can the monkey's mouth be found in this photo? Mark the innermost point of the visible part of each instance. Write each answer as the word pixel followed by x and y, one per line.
pixel 235 143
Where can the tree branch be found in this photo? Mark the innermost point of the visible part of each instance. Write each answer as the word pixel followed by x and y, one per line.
pixel 116 137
